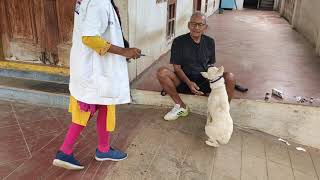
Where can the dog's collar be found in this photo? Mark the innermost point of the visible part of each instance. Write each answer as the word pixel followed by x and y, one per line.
pixel 213 81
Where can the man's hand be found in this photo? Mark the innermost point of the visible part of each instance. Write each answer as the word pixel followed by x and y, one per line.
pixel 132 53
pixel 195 88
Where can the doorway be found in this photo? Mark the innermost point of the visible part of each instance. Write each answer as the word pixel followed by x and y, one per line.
pixel 251 4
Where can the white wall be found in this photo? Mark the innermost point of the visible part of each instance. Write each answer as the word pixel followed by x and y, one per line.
pixel 277 4
pixel 147 26
pixel 184 12
pixel 147 21
pixel 123 8
pixel 213 6
pixel 306 20
pixel 240 4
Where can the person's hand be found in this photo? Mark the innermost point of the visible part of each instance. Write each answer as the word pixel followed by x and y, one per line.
pixel 132 53
pixel 195 89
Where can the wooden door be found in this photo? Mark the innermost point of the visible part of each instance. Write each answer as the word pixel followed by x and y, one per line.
pixel 197 5
pixel 36 30
pixel 65 14
pixel 21 34
pixel 1 52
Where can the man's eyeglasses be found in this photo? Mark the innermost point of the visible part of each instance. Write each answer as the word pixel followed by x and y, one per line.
pixel 194 25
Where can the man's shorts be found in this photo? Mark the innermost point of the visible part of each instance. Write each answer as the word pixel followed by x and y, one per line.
pixel 202 82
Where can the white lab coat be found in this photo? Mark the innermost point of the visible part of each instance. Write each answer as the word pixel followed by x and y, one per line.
pixel 96 79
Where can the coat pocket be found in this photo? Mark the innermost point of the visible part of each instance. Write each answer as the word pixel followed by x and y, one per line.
pixel 108 87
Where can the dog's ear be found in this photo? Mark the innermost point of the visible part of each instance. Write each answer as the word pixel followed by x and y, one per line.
pixel 205 75
pixel 221 70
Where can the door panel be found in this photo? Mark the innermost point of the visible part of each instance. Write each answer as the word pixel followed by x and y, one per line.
pixel 39 31
pixel 65 13
pixel 1 50
pixel 19 34
pixel 197 5
pixel 20 15
pixel 65 19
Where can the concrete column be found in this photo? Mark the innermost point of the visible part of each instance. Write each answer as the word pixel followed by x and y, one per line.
pixel 296 13
pixel 282 7
pixel 203 3
pixel 275 5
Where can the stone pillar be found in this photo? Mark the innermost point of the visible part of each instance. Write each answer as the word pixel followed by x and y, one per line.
pixel 296 13
pixel 282 7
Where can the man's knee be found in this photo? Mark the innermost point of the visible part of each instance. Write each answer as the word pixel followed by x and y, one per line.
pixel 229 77
pixel 163 72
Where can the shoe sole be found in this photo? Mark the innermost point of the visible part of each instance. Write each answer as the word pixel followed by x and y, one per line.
pixel 109 159
pixel 66 165
pixel 182 115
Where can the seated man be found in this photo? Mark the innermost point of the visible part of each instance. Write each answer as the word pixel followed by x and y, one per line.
pixel 191 54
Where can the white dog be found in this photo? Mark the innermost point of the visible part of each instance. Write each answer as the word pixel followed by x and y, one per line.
pixel 219 125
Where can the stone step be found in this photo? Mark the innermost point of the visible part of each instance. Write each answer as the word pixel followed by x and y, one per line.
pixel 293 122
pixel 33 75
pixel 266 4
pixel 298 123
pixel 34 91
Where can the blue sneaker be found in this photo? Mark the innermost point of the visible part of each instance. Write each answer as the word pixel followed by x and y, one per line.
pixel 111 155
pixel 66 161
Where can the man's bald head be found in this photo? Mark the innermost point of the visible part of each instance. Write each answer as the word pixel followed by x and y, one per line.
pixel 199 14
pixel 197 25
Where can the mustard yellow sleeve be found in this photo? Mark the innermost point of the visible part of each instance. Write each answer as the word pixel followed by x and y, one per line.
pixel 96 43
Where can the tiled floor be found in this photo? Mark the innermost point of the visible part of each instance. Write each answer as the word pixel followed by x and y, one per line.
pixel 263 52
pixel 30 135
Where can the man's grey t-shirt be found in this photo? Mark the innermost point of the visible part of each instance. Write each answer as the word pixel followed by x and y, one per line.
pixel 193 57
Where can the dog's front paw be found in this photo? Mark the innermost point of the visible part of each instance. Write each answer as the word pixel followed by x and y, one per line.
pixel 212 143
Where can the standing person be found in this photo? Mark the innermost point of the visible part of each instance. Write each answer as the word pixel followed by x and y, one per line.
pixel 98 78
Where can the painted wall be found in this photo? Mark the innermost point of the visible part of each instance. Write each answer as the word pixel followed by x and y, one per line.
pixel 144 25
pixel 147 27
pixel 123 8
pixel 147 22
pixel 1 51
pixel 230 3
pixel 240 4
pixel 213 6
pixel 306 20
pixel 277 5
